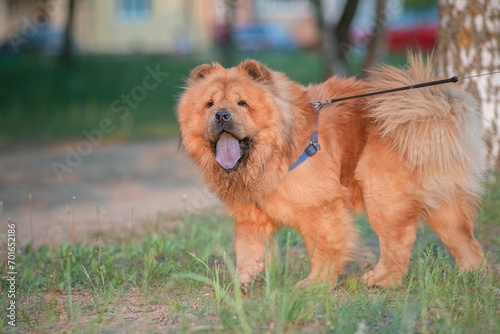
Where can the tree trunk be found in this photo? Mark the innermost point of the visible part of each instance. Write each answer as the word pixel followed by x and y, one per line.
pixel 67 46
pixel 378 33
pixel 469 44
pixel 335 43
pixel 342 29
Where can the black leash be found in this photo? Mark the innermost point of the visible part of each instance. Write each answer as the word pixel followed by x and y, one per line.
pixel 453 79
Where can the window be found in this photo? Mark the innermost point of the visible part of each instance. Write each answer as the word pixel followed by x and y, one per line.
pixel 134 10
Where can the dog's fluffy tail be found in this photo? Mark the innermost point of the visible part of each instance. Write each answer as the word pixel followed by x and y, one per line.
pixel 435 128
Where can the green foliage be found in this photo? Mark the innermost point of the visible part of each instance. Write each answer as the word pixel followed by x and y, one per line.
pixel 419 4
pixel 186 265
pixel 42 101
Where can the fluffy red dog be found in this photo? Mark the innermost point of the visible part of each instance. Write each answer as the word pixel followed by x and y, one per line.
pixel 405 156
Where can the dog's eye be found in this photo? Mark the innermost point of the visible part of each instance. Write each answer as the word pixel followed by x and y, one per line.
pixel 210 104
pixel 242 103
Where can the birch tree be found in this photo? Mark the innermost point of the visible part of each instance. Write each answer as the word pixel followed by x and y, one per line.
pixel 469 44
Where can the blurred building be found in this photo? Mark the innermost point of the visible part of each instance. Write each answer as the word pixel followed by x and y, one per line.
pixel 185 26
pixel 144 26
pixel 114 26
pixel 156 26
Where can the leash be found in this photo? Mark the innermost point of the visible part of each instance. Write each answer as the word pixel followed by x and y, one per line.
pixel 318 105
pixel 314 146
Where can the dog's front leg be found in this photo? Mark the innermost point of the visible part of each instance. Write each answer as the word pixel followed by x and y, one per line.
pixel 254 245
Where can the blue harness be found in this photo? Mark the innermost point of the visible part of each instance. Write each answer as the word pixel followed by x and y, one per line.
pixel 310 150
pixel 313 146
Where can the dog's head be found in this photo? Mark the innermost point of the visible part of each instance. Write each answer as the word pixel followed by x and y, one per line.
pixel 238 124
pixel 233 112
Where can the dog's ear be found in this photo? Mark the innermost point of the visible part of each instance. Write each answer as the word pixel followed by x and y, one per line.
pixel 256 70
pixel 201 71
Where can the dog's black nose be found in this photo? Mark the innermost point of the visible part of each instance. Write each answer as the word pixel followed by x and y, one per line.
pixel 223 116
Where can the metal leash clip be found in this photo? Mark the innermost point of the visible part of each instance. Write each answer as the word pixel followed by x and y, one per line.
pixel 318 105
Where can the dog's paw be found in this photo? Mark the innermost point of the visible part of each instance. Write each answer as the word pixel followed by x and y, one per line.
pixel 247 279
pixel 308 283
pixel 385 280
pixel 315 280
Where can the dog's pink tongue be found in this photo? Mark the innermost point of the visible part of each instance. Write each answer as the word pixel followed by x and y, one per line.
pixel 228 151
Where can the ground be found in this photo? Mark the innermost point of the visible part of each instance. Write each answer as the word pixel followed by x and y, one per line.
pixel 178 276
pixel 126 182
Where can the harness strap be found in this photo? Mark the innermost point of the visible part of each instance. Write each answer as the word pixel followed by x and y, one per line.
pixel 313 146
pixel 310 150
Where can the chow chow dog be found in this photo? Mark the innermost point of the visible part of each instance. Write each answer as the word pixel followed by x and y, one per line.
pixel 274 160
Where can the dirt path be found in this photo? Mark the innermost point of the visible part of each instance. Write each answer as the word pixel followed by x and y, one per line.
pixel 152 178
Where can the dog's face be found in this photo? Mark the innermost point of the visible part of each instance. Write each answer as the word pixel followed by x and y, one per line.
pixel 232 116
pixel 230 127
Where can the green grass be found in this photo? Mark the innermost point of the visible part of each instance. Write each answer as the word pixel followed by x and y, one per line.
pixel 42 101
pixel 178 276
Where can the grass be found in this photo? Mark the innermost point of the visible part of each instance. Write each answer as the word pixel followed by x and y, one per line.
pixel 178 276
